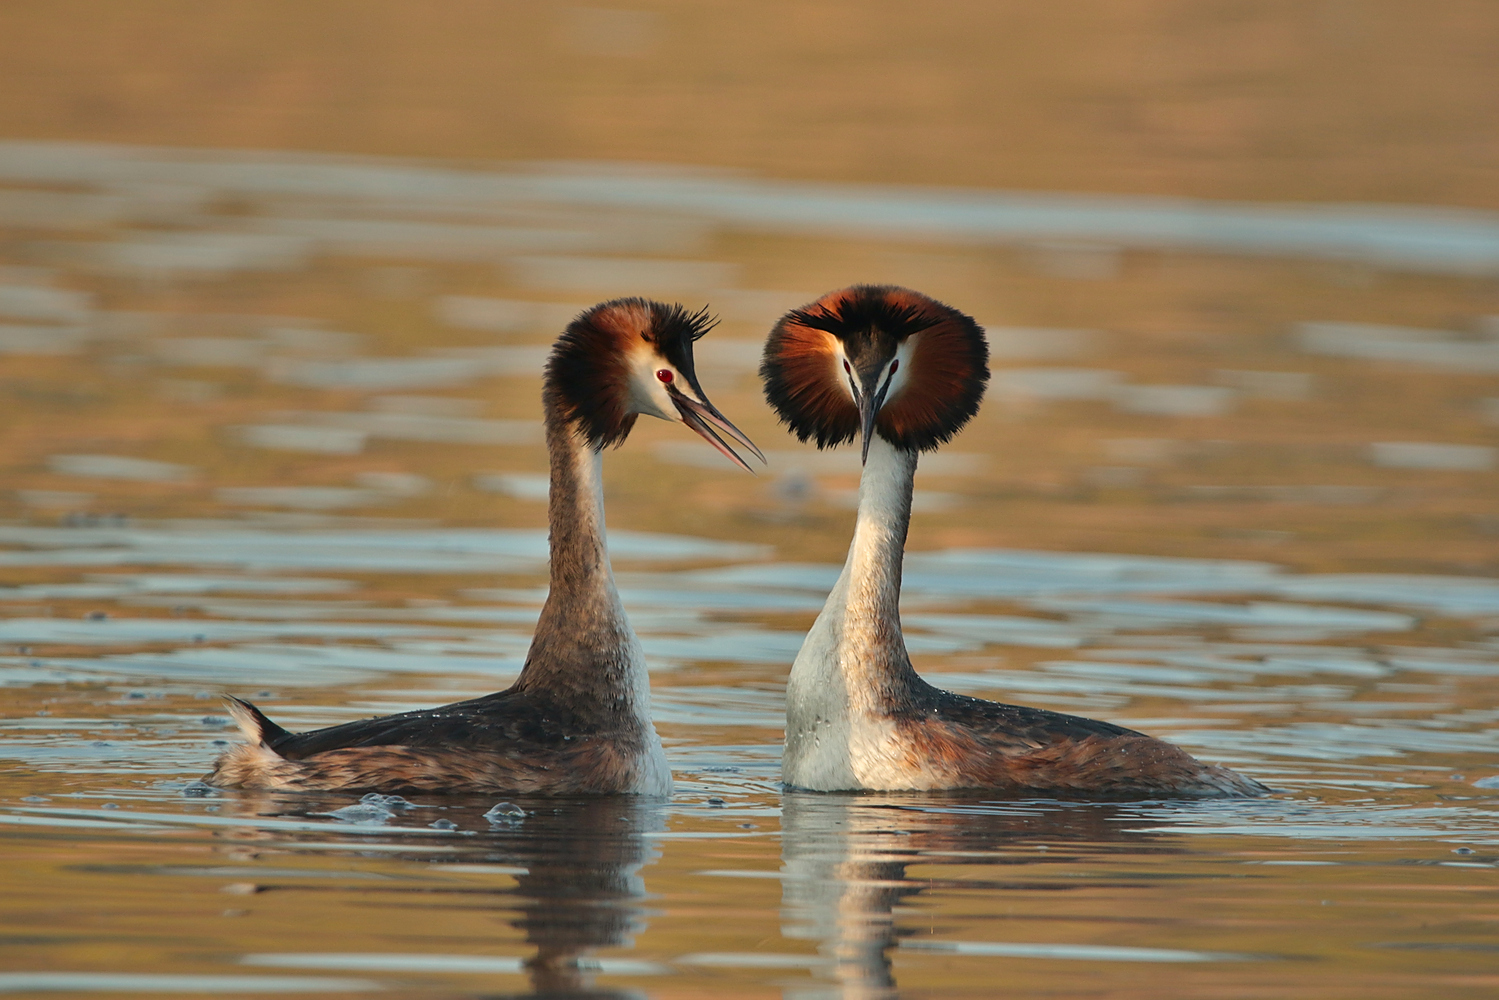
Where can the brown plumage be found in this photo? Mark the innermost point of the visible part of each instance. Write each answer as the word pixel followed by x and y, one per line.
pixel 984 744
pixel 577 720
pixel 905 373
pixel 940 389
pixel 511 742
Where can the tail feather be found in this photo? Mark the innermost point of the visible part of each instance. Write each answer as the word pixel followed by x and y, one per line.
pixel 253 723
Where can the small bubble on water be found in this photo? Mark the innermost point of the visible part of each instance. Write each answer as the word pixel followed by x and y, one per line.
pixel 504 814
pixel 96 616
pixel 1454 777
pixel 1463 850
pixel 110 805
pixel 443 824
pixel 202 695
pixel 218 743
pixel 196 789
pixel 34 798
pixel 395 803
pixel 44 712
pixel 716 802
pixel 361 813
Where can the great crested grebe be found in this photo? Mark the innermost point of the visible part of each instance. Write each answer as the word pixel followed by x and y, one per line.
pixel 577 720
pixel 904 373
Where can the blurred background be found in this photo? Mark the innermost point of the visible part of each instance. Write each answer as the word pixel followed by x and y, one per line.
pixel 1238 260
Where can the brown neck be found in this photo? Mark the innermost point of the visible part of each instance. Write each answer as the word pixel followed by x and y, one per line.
pixel 575 513
pixel 584 651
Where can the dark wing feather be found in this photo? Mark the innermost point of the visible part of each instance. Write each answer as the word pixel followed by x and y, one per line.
pixel 1004 726
pixel 502 721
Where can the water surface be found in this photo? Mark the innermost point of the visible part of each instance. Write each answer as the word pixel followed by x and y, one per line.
pixel 284 445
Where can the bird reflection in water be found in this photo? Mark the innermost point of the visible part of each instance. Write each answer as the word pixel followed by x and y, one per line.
pixel 581 886
pixel 844 861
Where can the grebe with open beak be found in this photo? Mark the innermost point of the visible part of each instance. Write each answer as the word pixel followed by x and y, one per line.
pixel 577 720
pixel 903 373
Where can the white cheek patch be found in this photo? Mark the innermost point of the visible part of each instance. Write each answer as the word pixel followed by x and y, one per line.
pixel 902 362
pixel 647 394
pixel 842 370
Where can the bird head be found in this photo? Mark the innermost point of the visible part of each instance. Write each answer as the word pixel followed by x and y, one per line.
pixel 632 356
pixel 875 359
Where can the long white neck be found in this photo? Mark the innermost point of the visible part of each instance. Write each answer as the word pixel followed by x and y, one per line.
pixel 872 650
pixel 853 664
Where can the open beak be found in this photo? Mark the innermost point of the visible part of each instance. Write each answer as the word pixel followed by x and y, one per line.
pixel 704 418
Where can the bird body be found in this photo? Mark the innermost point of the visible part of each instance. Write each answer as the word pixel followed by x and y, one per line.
pixel 858 716
pixel 577 720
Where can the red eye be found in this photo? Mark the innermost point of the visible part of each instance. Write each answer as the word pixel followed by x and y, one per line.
pixel 847 368
pixel 664 375
pixel 894 365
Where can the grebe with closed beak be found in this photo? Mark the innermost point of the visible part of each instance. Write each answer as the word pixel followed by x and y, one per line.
pixel 903 373
pixel 577 720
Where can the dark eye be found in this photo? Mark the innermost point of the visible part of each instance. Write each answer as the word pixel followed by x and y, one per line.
pixel 894 365
pixel 664 375
pixel 847 368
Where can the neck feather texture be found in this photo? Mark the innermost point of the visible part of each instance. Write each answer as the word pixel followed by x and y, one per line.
pixel 584 651
pixel 853 672
pixel 872 650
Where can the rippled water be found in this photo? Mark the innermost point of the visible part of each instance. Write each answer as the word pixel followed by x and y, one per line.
pixel 288 449
pixel 1377 851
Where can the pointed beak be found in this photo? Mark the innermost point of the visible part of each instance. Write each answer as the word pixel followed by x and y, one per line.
pixel 870 399
pixel 703 417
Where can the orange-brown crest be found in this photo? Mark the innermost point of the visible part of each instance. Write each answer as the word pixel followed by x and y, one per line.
pixel 588 373
pixel 941 389
pixel 800 369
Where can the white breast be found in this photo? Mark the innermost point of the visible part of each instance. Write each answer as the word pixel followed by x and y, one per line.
pixel 837 736
pixel 819 727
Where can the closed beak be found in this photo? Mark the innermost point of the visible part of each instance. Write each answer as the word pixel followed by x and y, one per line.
pixel 870 400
